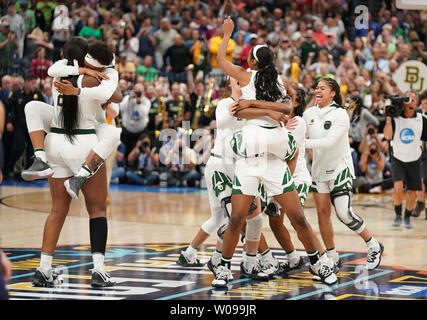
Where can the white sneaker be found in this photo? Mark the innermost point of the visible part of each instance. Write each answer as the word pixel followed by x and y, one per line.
pixel 214 269
pixel 324 269
pixel 374 256
pixel 101 279
pixel 269 266
pixel 253 271
pixel 222 274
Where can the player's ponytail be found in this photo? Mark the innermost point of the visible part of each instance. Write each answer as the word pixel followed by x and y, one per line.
pixel 74 49
pixel 266 83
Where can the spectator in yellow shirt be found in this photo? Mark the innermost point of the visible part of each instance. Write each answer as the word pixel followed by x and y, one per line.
pixel 214 43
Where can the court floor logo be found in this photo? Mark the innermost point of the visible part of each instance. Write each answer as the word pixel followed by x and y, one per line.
pixel 149 272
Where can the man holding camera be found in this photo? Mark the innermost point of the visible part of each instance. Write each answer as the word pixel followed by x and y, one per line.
pixel 134 111
pixel 405 129
pixel 146 159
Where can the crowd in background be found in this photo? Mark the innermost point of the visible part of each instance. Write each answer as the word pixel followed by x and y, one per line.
pixel 170 79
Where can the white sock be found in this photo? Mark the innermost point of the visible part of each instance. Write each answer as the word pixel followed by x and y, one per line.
pixel 249 261
pixel 267 255
pixel 333 255
pixel 98 261
pixel 372 243
pixel 293 256
pixel 190 252
pixel 40 153
pixel 216 257
pixel 85 171
pixel 46 263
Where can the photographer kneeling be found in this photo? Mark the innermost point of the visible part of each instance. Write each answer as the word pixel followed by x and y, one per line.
pixel 372 165
pixel 406 130
pixel 147 167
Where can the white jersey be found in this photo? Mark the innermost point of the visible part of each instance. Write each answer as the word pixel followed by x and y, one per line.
pixel 97 95
pixel 328 137
pixel 88 110
pixel 406 142
pixel 226 124
pixel 249 93
pixel 301 173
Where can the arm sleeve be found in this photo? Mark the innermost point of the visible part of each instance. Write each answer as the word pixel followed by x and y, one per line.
pixel 104 91
pixel 339 128
pixel 61 69
pixel 299 132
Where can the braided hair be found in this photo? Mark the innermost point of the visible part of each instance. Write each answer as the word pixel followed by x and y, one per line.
pixel 300 100
pixel 74 49
pixel 266 84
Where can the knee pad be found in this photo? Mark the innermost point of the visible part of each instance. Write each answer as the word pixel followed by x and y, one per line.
pixel 342 203
pixel 226 206
pixel 253 207
pixel 213 222
pixel 273 209
pixel 221 231
pixel 253 228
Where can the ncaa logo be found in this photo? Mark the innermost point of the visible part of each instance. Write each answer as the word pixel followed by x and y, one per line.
pixel 407 135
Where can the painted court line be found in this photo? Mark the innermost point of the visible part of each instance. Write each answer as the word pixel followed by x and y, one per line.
pixel 309 294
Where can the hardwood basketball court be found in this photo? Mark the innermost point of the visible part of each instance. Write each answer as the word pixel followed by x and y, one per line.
pixel 149 226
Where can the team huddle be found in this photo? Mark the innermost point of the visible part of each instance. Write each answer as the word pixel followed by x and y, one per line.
pixel 257 165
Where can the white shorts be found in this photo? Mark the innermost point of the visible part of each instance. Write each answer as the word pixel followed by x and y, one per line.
pixel 108 137
pixel 271 172
pixel 253 140
pixel 219 182
pixel 66 158
pixel 343 181
pixel 39 117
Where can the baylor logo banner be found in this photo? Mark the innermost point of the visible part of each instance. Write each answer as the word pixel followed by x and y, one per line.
pixel 411 76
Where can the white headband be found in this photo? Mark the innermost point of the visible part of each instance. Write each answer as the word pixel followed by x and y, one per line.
pixel 92 61
pixel 256 48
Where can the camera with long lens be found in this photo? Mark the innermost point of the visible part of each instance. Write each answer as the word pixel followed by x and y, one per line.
pixel 372 151
pixel 395 109
pixel 144 146
pixel 138 93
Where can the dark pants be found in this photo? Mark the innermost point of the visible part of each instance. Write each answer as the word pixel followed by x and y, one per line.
pixel 57 46
pixel 386 184
pixel 129 139
pixel 21 143
pixel 408 172
pixel 177 77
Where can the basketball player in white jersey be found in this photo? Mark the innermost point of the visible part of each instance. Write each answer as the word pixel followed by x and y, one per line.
pixel 219 175
pixel 333 171
pixel 301 175
pixel 39 117
pixel 263 84
pixel 69 142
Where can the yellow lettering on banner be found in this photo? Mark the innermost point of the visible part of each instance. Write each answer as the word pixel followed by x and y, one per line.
pixel 412 77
